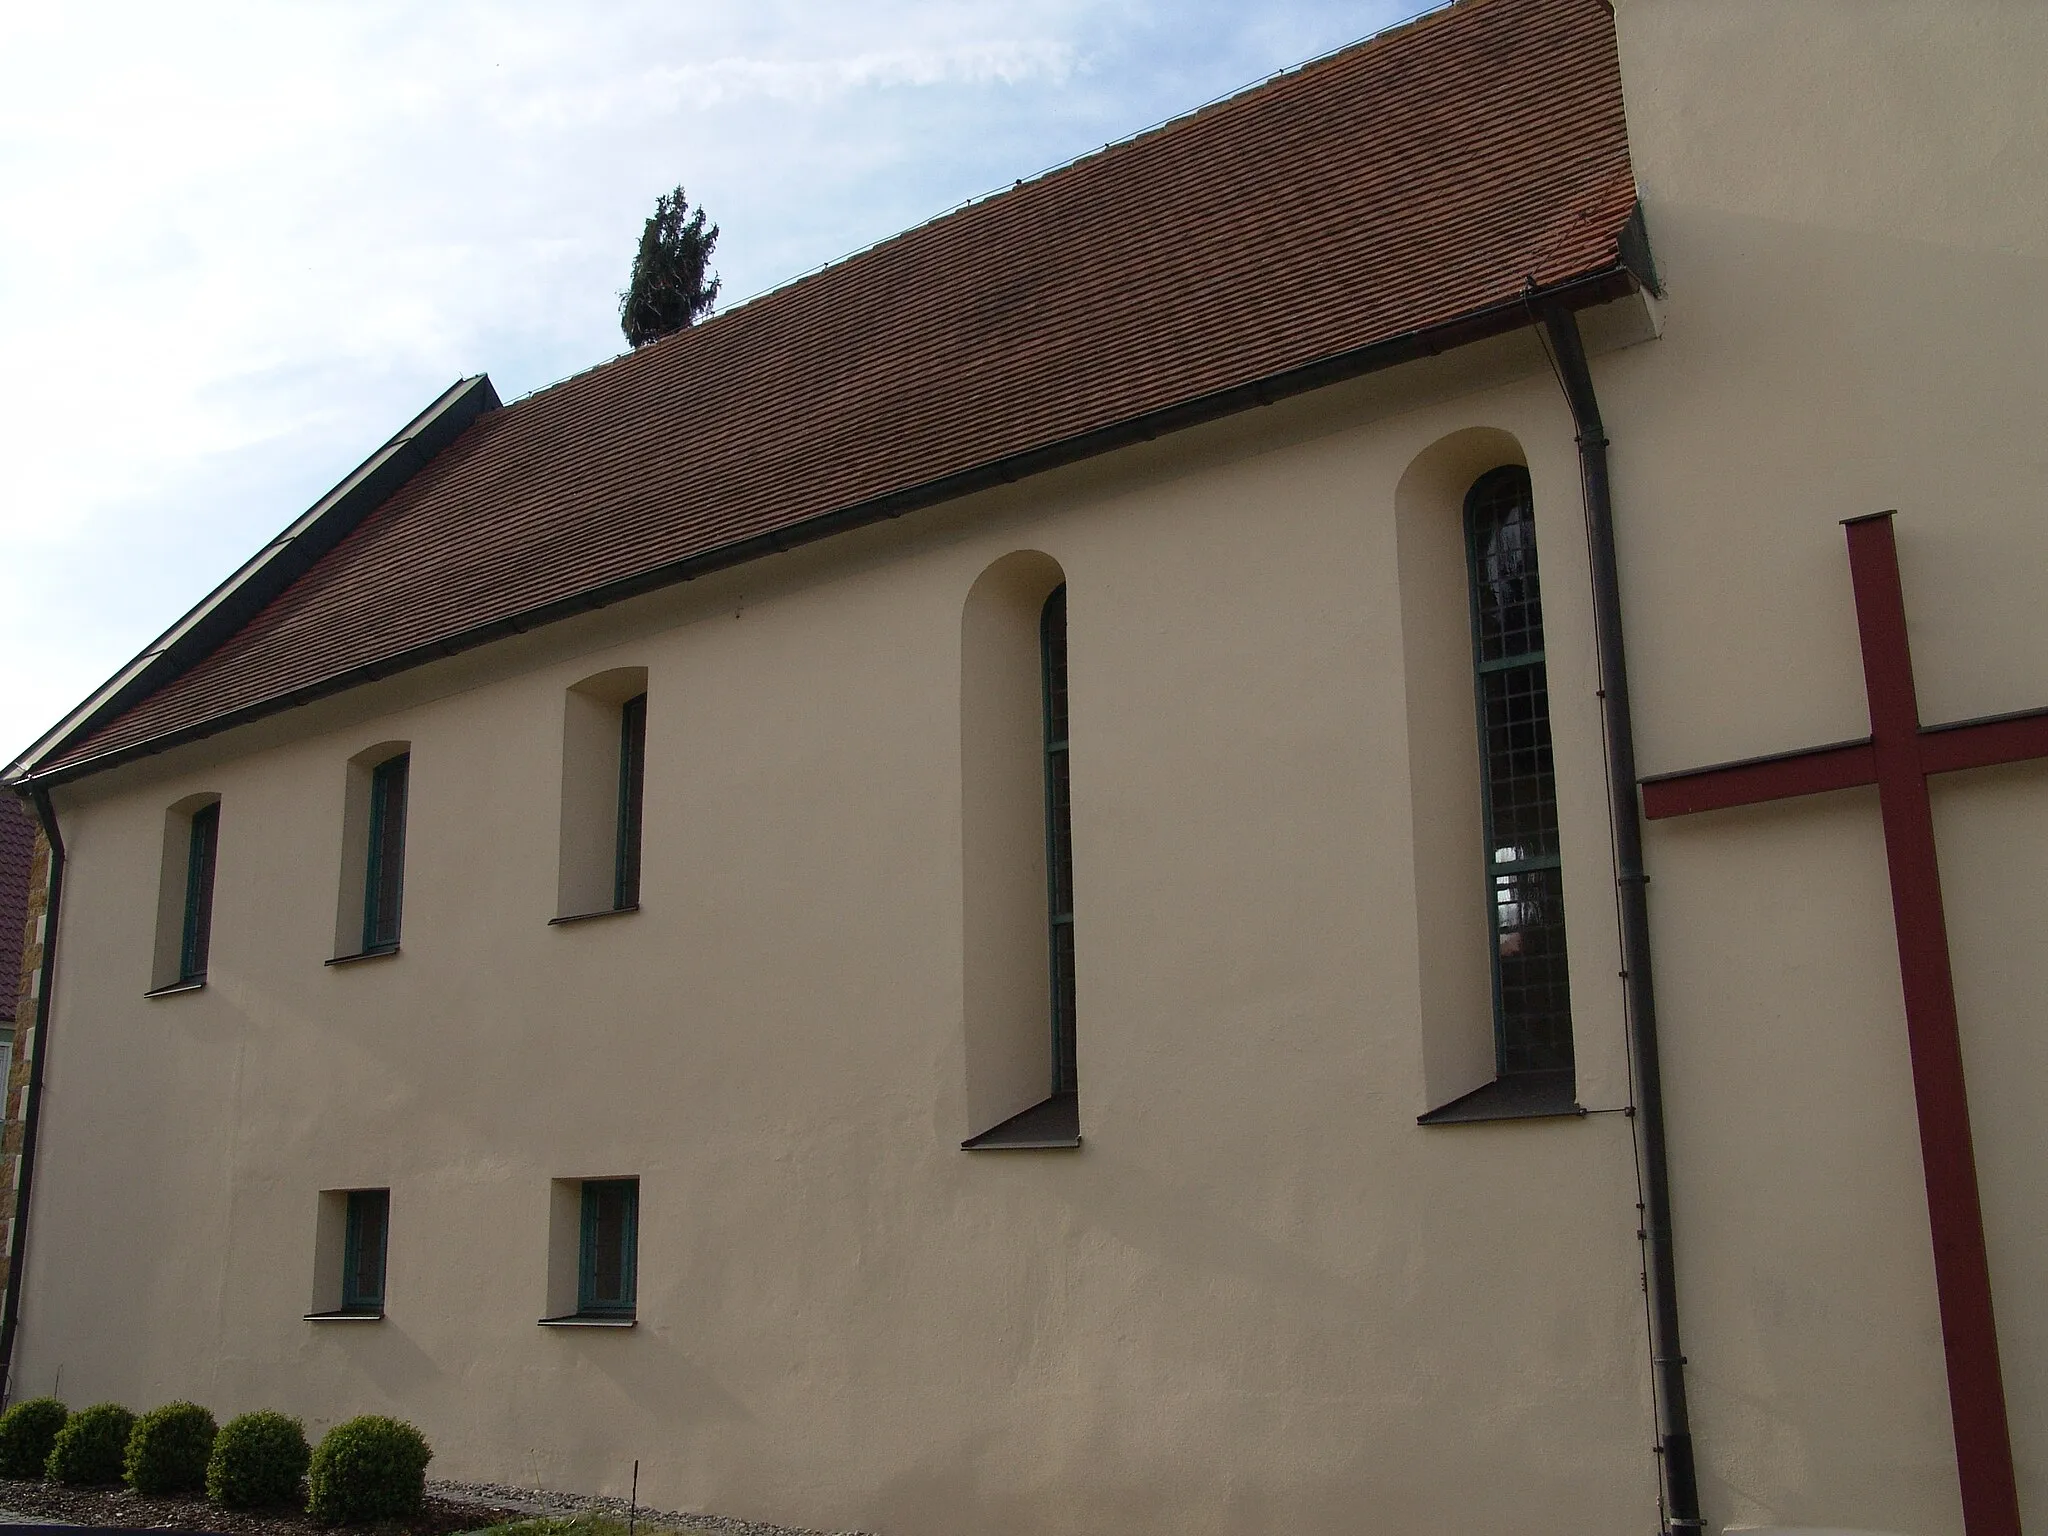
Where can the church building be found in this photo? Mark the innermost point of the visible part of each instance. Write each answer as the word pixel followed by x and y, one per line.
pixel 1321 826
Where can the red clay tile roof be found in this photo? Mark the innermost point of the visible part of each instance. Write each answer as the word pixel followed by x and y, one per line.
pixel 1426 175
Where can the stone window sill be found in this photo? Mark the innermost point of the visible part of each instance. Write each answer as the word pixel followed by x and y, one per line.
pixel 584 917
pixel 356 1316
pixel 194 984
pixel 1516 1096
pixel 590 1320
pixel 1054 1124
pixel 382 952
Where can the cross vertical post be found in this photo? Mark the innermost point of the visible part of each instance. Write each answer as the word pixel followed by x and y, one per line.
pixel 1962 1268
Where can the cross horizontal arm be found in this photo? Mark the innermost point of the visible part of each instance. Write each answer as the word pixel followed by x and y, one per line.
pixel 1754 780
pixel 1984 743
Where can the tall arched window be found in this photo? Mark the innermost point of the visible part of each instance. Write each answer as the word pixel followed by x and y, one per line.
pixel 1017 860
pixel 1518 783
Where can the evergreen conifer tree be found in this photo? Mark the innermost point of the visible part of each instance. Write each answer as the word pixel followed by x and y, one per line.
pixel 669 288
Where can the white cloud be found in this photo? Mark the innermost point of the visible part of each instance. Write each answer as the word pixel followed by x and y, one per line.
pixel 703 86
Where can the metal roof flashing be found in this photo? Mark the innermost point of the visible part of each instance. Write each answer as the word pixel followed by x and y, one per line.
pixel 271 569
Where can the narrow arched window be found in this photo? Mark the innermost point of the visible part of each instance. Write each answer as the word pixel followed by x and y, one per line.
pixel 366 920
pixel 1017 860
pixel 184 920
pixel 1518 782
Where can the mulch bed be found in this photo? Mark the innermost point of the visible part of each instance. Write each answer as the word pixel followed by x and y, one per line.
pixel 119 1506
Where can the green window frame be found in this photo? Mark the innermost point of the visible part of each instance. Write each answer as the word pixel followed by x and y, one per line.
pixel 608 1252
pixel 632 797
pixel 384 874
pixel 365 1242
pixel 195 942
pixel 1059 840
pixel 1518 780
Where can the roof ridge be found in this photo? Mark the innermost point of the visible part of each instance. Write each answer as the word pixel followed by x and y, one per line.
pixel 1433 11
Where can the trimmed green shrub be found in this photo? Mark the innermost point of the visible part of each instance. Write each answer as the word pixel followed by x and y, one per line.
pixel 27 1431
pixel 90 1447
pixel 167 1450
pixel 259 1460
pixel 371 1468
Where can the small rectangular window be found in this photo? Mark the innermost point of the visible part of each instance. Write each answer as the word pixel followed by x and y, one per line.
pixel 197 934
pixel 384 882
pixel 362 1267
pixel 632 791
pixel 607 1253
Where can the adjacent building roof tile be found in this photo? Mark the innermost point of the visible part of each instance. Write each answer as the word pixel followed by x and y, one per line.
pixel 17 853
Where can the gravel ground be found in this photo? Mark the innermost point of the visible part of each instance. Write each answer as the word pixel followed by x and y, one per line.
pixel 117 1506
pixel 450 1507
pixel 542 1501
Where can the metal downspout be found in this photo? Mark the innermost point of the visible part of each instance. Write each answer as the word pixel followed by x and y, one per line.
pixel 32 1103
pixel 1680 1483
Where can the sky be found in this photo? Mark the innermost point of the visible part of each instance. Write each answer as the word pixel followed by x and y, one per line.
pixel 242 244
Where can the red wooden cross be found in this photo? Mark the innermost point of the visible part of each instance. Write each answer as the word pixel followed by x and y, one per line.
pixel 1897 756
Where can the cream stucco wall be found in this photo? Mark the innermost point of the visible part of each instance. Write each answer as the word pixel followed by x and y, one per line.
pixel 1259 1298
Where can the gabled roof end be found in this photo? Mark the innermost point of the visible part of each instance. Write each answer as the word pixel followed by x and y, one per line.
pixel 273 568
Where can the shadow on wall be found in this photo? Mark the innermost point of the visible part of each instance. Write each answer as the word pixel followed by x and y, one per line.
pixel 384 1354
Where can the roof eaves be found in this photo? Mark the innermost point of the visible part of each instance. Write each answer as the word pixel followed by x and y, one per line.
pixel 270 570
pixel 1607 283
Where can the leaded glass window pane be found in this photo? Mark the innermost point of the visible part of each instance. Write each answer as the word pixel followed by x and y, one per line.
pixel 1535 1000
pixel 632 794
pixel 369 1226
pixel 1059 839
pixel 1507 604
pixel 1532 998
pixel 1514 708
pixel 384 882
pixel 611 1213
pixel 197 941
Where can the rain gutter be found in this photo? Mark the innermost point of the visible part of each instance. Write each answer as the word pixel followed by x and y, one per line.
pixel 1679 1481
